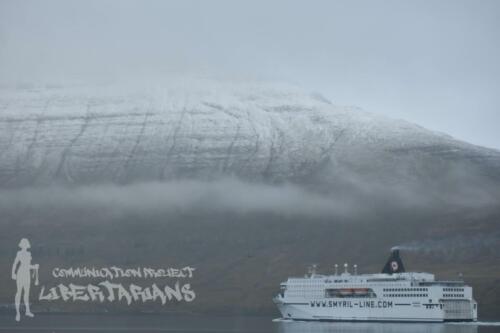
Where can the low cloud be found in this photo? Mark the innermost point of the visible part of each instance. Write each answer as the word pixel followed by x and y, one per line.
pixel 346 196
pixel 227 195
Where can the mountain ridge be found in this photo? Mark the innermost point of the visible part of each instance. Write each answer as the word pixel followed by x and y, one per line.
pixel 117 134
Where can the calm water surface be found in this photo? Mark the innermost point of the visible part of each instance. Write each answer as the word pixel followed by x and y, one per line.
pixel 199 324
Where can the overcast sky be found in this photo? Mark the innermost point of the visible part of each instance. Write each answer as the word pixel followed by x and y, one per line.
pixel 435 63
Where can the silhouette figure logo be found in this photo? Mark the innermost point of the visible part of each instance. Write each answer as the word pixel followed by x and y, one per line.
pixel 22 271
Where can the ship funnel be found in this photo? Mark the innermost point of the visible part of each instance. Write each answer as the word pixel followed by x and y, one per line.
pixel 336 269
pixel 355 269
pixel 394 264
pixel 345 268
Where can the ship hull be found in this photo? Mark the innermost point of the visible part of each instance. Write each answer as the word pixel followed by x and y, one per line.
pixel 351 311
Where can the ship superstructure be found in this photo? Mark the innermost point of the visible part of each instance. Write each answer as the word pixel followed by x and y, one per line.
pixel 392 295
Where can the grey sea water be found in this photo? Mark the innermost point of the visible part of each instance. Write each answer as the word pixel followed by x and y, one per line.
pixel 240 324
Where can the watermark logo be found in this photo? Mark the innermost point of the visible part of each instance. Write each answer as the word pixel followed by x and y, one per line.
pixel 22 271
pixel 106 290
pixel 107 284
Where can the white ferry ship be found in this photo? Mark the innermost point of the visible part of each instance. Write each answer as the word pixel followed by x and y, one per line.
pixel 393 295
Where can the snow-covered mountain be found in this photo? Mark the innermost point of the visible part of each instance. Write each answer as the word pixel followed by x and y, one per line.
pixel 356 185
pixel 205 129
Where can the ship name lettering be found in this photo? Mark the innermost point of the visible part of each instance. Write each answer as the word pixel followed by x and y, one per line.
pixel 349 304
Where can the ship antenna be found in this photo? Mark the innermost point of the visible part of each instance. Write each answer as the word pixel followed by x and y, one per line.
pixel 355 269
pixel 336 269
